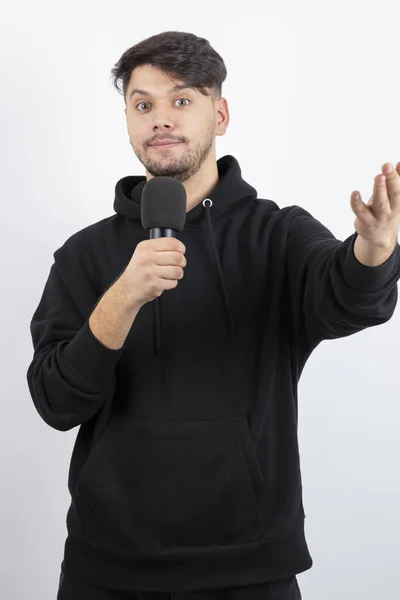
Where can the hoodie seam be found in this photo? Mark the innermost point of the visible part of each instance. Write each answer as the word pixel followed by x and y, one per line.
pixel 294 519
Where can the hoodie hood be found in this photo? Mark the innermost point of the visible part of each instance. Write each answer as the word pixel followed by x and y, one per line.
pixel 230 191
pixel 225 199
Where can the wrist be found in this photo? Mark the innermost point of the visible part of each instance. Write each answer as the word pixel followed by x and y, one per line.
pixel 372 255
pixel 123 290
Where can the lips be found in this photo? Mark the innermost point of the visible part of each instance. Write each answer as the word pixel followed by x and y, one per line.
pixel 165 143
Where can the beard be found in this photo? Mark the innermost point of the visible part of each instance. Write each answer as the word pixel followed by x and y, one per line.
pixel 179 162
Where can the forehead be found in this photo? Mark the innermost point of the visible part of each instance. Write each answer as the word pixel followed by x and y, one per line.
pixel 176 88
pixel 151 81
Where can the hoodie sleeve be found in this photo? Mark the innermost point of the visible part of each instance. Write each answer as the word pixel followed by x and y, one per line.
pixel 72 373
pixel 333 295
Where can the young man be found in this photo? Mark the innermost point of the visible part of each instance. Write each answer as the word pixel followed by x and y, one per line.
pixel 185 475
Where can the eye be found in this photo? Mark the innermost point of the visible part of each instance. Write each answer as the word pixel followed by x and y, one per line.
pixel 175 101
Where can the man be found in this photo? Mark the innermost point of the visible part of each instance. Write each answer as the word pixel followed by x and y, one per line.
pixel 185 474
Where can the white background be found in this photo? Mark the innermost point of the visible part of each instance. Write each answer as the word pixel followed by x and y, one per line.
pixel 313 90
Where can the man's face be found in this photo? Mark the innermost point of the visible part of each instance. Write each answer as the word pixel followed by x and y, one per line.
pixel 184 116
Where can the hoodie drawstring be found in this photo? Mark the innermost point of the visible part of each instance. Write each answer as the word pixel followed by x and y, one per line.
pixel 228 309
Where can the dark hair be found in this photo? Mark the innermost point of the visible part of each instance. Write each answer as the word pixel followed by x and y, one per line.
pixel 178 54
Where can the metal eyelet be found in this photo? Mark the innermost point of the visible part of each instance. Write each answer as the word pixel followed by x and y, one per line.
pixel 210 201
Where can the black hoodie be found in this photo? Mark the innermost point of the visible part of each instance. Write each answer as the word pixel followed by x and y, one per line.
pixel 185 473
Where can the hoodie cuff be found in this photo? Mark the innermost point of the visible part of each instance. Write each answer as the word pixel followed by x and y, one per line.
pixel 89 359
pixel 366 278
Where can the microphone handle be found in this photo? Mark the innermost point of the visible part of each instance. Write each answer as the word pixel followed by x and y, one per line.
pixel 157 232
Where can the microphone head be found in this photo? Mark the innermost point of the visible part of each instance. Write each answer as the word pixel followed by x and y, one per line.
pixel 163 204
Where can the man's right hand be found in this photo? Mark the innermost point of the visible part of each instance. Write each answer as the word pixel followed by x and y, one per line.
pixel 155 266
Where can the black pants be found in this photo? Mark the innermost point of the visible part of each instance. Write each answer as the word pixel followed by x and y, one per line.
pixel 285 589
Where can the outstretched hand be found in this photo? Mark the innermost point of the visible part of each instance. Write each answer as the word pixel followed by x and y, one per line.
pixel 378 221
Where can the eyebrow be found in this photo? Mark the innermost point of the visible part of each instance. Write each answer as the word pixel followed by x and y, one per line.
pixel 176 88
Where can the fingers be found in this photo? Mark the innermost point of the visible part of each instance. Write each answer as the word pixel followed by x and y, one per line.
pixel 380 204
pixel 392 181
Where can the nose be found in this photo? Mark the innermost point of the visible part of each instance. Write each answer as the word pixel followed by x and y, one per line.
pixel 162 120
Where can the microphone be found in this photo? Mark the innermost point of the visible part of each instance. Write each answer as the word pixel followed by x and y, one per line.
pixel 163 213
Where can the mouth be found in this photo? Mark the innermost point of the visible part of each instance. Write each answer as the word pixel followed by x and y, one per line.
pixel 165 145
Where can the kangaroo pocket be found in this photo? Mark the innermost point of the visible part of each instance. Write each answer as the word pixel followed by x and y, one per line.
pixel 151 485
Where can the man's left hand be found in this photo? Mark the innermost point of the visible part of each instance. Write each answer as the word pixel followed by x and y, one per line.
pixel 378 221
